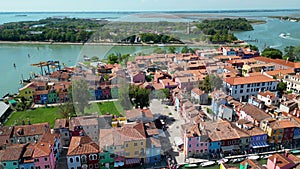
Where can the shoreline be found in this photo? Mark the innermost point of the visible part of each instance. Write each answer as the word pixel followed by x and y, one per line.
pixel 194 44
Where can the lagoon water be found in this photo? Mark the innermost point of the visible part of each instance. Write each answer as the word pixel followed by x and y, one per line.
pixel 269 34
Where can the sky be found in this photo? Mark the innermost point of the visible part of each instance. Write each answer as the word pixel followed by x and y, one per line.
pixel 143 5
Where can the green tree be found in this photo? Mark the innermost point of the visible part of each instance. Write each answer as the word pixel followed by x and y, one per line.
pixel 281 87
pixel 67 110
pixel 171 49
pixel 95 58
pixel 272 53
pixel 139 96
pixel 80 95
pixel 112 58
pixel 185 49
pixel 210 83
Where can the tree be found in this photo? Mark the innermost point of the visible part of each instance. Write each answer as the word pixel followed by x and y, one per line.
pixel 95 58
pixel 80 95
pixel 210 83
pixel 272 53
pixel 123 96
pixel 185 49
pixel 112 58
pixel 139 96
pixel 171 49
pixel 292 53
pixel 67 109
pixel 253 47
pixel 281 87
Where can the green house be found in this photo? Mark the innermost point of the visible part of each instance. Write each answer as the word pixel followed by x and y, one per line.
pixel 106 160
pixel 52 97
pixel 114 92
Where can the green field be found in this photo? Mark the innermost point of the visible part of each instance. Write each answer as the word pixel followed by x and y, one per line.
pixel 110 107
pixel 38 115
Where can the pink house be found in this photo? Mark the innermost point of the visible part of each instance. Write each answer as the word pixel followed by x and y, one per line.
pixel 195 141
pixel 138 77
pixel 278 161
pixel 43 156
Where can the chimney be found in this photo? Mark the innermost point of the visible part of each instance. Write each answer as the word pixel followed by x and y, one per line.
pixel 286 153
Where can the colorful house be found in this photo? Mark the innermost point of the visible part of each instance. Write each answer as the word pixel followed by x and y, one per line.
pixel 43 156
pixel 279 161
pixel 11 156
pixel 27 91
pixel 52 96
pixel 40 97
pixel 195 141
pixel 153 150
pixel 98 93
pixel 28 161
pixel 54 141
pixel 106 92
pixel 251 164
pixel 83 153
pixel 61 127
pixel 106 159
pixel 114 92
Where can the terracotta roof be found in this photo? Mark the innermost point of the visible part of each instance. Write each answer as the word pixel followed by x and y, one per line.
pixel 30 130
pixel 142 114
pixel 12 153
pixel 151 132
pixel 49 138
pixel 255 112
pixel 117 136
pixel 154 141
pixel 60 123
pixel 82 145
pixel 5 134
pixel 221 130
pixel 280 124
pixel 267 94
pixel 252 164
pixel 281 160
pixel 39 92
pixel 248 80
pixel 198 91
pixel 42 149
pixel 278 61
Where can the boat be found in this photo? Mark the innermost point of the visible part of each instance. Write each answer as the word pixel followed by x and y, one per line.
pixel 190 165
pixel 237 160
pixel 222 161
pixel 254 157
pixel 266 156
pixel 208 163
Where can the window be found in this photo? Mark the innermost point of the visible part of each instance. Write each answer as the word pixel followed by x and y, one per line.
pixel 135 144
pixel 71 160
pixel 201 151
pixel 136 152
pixel 66 134
pixel 4 164
pixel 47 166
pixel 77 159
pixel 201 144
pixel 142 143
pixel 36 160
pixel 46 159
pixel 97 165
pixel 14 163
pixel 190 145
pixel 38 167
pixel 241 91
pixel 126 145
pixel 112 155
pixel 197 145
pixel 91 166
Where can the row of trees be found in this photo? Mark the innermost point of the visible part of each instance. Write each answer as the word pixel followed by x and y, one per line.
pixel 291 53
pixel 219 30
pixel 50 29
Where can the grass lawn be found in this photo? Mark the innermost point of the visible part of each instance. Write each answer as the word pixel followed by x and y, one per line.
pixel 39 115
pixel 111 107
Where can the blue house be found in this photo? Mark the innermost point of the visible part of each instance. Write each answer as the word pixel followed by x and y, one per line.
pixel 98 93
pixel 216 103
pixel 153 150
pixel 297 135
pixel 214 148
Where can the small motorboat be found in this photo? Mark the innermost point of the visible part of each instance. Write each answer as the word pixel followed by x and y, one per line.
pixel 222 161
pixel 208 163
pixel 237 160
pixel 190 165
pixel 254 157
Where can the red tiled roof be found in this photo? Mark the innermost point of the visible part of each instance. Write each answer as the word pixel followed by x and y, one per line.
pixel 248 80
pixel 267 93
pixel 12 153
pixel 30 130
pixel 255 112
pixel 42 149
pixel 82 145
pixel 198 91
pixel 60 123
pixel 281 160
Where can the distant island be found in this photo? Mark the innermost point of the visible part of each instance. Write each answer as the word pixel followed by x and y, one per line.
pixel 75 30
pixel 286 18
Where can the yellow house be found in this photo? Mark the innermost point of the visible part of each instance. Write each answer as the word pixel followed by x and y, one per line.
pixel 134 137
pixel 118 122
pixel 27 91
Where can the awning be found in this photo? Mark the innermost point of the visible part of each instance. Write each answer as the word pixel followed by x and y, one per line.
pixel 230 148
pixel 259 144
pixel 133 161
pixel 118 164
pixel 178 141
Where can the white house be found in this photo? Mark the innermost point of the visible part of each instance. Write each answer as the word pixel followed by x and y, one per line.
pixel 269 98
pixel 199 96
pixel 241 88
pixel 293 82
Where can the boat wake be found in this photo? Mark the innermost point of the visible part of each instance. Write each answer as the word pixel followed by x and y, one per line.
pixel 288 36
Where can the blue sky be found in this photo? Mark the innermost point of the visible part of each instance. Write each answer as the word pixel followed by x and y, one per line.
pixel 142 5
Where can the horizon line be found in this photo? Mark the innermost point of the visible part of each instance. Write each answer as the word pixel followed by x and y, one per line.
pixel 206 10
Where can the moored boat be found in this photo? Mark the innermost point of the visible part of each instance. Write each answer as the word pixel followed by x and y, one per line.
pixel 208 163
pixel 190 165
